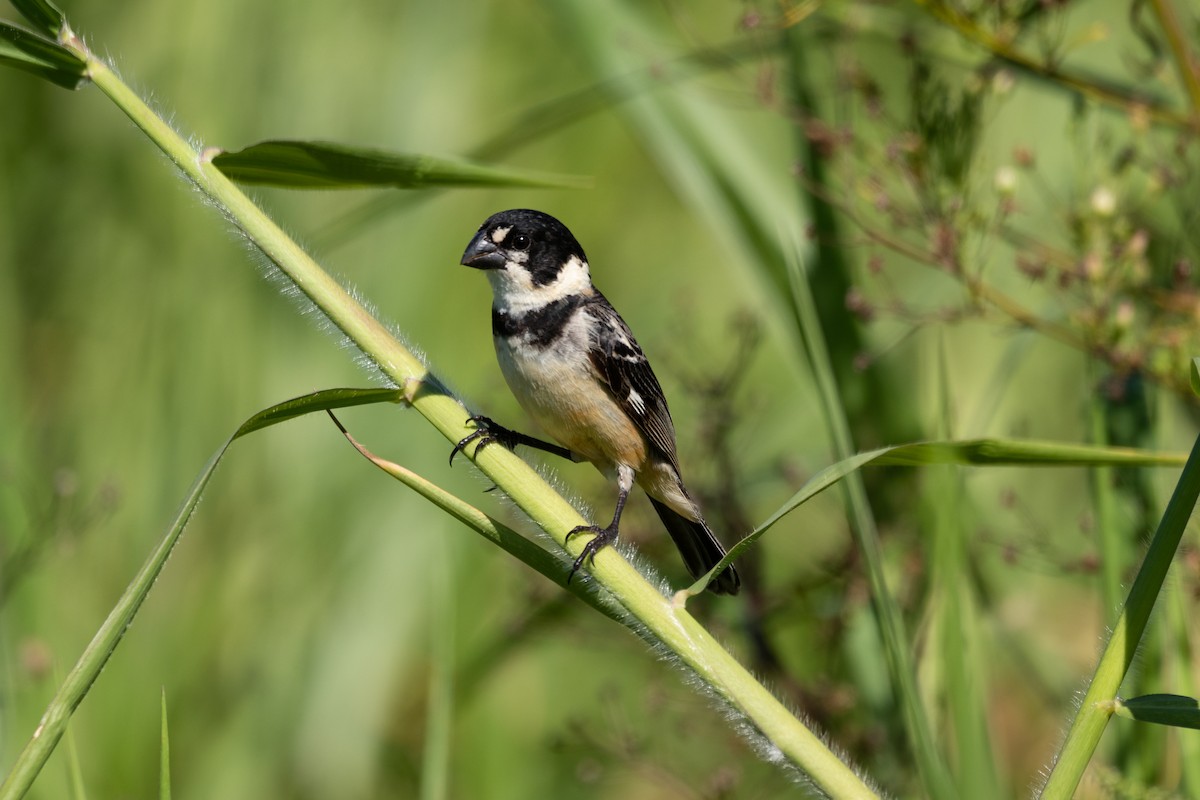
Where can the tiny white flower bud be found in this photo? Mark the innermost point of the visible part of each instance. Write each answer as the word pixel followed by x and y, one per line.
pixel 1003 82
pixel 1103 201
pixel 1006 180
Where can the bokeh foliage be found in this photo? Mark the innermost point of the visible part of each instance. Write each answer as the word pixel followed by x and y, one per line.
pixel 1021 253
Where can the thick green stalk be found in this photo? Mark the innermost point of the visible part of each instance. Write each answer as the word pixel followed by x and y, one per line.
pixel 1097 706
pixel 666 620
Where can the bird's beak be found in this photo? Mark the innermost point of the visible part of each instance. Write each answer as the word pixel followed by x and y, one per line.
pixel 482 253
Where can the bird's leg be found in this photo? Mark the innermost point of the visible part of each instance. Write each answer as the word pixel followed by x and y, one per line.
pixel 603 536
pixel 486 432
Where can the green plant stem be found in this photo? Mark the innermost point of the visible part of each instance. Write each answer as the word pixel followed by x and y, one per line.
pixel 164 753
pixel 1185 62
pixel 665 620
pixel 1097 706
pixel 955 652
pixel 936 777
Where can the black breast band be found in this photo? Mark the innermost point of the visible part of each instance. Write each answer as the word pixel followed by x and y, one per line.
pixel 540 326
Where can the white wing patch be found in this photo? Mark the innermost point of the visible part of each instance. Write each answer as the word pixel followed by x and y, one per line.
pixel 636 402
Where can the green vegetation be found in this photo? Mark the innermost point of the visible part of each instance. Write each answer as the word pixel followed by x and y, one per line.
pixel 836 229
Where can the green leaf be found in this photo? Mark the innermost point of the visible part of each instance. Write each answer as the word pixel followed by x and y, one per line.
pixel 43 14
pixel 1161 709
pixel 79 681
pixel 968 452
pixel 164 754
pixel 31 52
pixel 551 565
pixel 1195 373
pixel 325 165
pixel 318 401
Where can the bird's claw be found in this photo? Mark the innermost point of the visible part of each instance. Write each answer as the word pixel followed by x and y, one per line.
pixel 603 538
pixel 486 432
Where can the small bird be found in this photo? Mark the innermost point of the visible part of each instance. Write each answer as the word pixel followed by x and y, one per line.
pixel 574 366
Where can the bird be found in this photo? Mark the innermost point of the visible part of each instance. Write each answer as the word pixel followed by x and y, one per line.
pixel 573 364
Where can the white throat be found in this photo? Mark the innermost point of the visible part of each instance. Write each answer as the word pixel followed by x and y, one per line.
pixel 514 292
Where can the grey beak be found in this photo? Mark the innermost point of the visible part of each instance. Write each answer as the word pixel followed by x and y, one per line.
pixel 482 253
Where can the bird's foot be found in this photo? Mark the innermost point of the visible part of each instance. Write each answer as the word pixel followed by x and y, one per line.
pixel 486 432
pixel 603 538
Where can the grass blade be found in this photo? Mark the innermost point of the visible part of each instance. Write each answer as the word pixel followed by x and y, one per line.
pixel 81 677
pixel 25 50
pixel 164 755
pixel 954 655
pixel 529 552
pixel 326 165
pixel 1161 709
pixel 74 770
pixel 930 763
pixel 966 452
pixel 42 14
pixel 1119 652
pixel 324 400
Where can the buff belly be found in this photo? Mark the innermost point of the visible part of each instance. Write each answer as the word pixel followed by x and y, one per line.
pixel 559 390
pixel 563 396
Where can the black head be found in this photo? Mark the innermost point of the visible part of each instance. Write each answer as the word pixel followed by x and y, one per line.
pixel 523 238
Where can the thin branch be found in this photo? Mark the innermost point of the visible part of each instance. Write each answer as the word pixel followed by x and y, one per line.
pixel 1185 61
pixel 1093 89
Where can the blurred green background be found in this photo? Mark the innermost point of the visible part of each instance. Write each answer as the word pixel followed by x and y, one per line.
pixel 295 631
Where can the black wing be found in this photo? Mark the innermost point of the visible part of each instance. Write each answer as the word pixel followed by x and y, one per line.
pixel 622 365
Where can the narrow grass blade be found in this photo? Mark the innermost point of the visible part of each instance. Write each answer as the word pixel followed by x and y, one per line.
pixel 323 400
pixel 967 452
pixel 935 777
pixel 1161 709
pixel 326 165
pixel 74 770
pixel 831 276
pixel 164 754
pixel 1098 703
pixel 953 658
pixel 81 677
pixel 435 762
pixel 555 568
pixel 40 56
pixel 42 14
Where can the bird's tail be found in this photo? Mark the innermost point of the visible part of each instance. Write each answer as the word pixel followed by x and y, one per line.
pixel 699 547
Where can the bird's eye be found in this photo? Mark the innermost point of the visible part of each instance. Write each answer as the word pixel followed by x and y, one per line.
pixel 520 242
